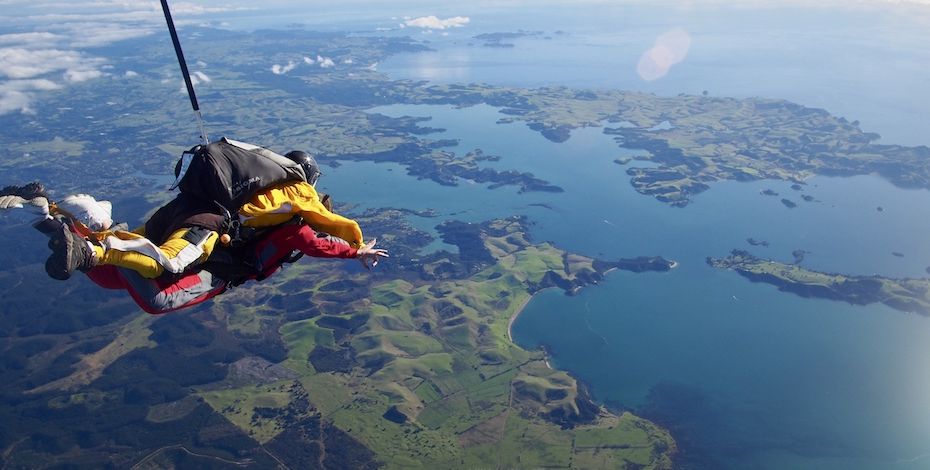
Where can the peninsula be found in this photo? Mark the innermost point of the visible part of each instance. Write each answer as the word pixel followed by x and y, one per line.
pixel 906 295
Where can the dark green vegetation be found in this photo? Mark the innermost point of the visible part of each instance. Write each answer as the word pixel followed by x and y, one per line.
pixel 907 295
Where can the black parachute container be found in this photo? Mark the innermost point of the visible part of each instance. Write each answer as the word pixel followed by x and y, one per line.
pixel 229 173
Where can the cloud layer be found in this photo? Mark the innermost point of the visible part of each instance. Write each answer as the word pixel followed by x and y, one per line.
pixel 320 61
pixel 283 69
pixel 51 55
pixel 432 22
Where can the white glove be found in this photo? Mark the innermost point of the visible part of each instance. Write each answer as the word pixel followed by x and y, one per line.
pixel 38 205
pixel 11 202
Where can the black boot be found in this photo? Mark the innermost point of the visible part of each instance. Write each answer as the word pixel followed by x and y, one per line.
pixel 49 227
pixel 69 252
pixel 27 191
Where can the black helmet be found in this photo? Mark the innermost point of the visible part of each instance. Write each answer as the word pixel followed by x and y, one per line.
pixel 308 163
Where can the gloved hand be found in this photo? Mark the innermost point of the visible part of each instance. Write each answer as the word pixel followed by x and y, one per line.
pixel 39 205
pixel 32 194
pixel 11 202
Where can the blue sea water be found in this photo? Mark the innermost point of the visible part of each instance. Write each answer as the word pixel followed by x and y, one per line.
pixel 749 377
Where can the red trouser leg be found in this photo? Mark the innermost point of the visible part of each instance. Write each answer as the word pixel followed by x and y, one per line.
pixel 107 276
pixel 157 296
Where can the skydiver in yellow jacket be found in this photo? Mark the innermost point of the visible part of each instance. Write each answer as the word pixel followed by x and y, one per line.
pixel 183 233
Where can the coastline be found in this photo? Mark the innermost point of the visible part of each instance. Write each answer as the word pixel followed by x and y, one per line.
pixel 516 313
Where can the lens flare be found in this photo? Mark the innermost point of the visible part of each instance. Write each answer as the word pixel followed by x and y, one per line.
pixel 669 49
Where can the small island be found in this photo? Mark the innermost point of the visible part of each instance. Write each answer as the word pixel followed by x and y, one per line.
pixel 906 295
pixel 754 242
pixel 500 39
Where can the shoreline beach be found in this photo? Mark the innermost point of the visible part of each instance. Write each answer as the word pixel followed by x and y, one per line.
pixel 516 313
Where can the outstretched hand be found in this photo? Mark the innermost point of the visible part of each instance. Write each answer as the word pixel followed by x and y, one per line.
pixel 369 253
pixel 11 202
pixel 38 205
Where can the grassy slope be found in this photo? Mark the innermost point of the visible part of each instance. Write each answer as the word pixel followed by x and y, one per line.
pixel 439 354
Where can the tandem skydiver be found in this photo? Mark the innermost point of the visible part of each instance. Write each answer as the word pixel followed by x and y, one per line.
pixel 187 266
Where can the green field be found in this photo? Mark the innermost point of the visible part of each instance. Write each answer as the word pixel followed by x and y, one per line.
pixel 424 375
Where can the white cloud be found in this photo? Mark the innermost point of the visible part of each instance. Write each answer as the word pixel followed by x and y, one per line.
pixel 18 95
pixel 52 34
pixel 186 8
pixel 14 100
pixel 82 75
pixel 348 61
pixel 325 62
pixel 42 39
pixel 19 63
pixel 283 69
pixel 309 60
pixel 197 78
pixel 100 34
pixel 118 11
pixel 432 22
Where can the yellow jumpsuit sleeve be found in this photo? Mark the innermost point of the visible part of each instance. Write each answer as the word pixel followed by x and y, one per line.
pixel 279 204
